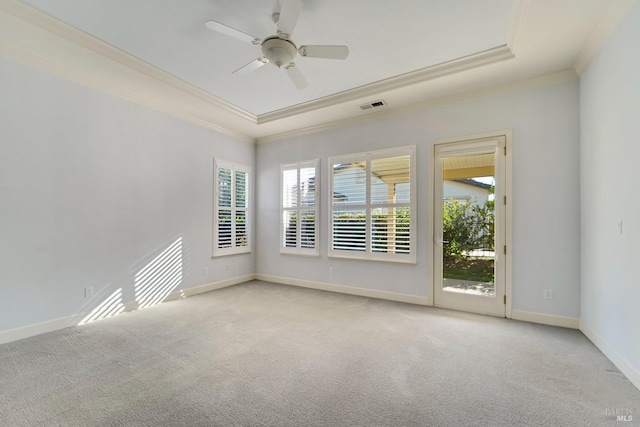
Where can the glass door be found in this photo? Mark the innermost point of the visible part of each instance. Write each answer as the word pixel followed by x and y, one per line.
pixel 469 230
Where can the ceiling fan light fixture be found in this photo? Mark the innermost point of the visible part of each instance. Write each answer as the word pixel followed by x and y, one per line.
pixel 278 51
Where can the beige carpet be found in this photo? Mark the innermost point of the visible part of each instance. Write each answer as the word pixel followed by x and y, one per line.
pixel 261 354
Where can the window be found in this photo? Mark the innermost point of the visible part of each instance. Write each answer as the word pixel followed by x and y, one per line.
pixel 372 202
pixel 231 209
pixel 299 206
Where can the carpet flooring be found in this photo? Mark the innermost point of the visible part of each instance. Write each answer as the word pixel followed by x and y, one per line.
pixel 262 354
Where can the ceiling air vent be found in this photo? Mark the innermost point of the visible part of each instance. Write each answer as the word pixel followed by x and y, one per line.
pixel 374 104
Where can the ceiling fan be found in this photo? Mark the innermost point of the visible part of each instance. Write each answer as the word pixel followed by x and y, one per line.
pixel 279 49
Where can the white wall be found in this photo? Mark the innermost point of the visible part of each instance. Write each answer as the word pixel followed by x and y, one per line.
pixel 610 155
pixel 92 188
pixel 546 194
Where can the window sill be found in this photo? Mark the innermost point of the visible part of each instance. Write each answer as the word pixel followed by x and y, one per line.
pixel 304 254
pixel 231 253
pixel 410 259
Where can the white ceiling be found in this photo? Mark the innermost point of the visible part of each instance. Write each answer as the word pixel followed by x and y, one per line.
pixel 407 52
pixel 386 38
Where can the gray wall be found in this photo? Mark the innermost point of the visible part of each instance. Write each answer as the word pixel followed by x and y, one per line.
pixel 546 184
pixel 91 189
pixel 609 155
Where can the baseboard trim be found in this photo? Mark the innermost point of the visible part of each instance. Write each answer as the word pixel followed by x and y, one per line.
pixel 40 328
pixel 546 319
pixel 625 366
pixel 185 293
pixel 527 316
pixel 65 322
pixel 331 287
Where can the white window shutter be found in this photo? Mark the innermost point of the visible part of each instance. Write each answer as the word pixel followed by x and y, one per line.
pixel 299 208
pixel 372 205
pixel 231 208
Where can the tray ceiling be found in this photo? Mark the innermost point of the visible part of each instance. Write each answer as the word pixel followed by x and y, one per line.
pixel 158 53
pixel 385 39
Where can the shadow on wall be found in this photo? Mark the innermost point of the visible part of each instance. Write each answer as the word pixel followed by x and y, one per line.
pixel 154 279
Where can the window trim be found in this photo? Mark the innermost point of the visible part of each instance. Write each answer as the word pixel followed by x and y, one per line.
pixel 234 167
pixel 367 206
pixel 298 249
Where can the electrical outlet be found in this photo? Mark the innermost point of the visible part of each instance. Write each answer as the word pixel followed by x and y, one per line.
pixel 88 292
pixel 330 270
pixel 205 270
pixel 228 266
pixel 548 294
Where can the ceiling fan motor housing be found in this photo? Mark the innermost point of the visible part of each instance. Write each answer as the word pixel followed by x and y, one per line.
pixel 279 51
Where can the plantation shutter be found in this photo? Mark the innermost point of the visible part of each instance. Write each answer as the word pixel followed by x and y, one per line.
pixel 349 212
pixel 299 208
pixel 231 232
pixel 225 190
pixel 373 205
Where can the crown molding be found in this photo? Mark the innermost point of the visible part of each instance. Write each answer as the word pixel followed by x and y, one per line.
pixel 51 58
pixel 517 23
pixel 40 40
pixel 18 45
pixel 41 20
pixel 613 16
pixel 546 80
pixel 104 85
pixel 475 60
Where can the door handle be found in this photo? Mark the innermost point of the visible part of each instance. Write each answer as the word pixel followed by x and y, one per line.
pixel 442 241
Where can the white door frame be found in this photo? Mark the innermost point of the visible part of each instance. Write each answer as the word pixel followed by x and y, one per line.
pixel 508 192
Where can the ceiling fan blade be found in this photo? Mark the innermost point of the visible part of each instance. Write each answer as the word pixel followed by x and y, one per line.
pixel 251 66
pixel 289 14
pixel 225 29
pixel 296 76
pixel 324 51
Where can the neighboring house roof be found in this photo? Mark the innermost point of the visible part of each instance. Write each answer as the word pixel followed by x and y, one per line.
pixel 474 183
pixel 340 167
